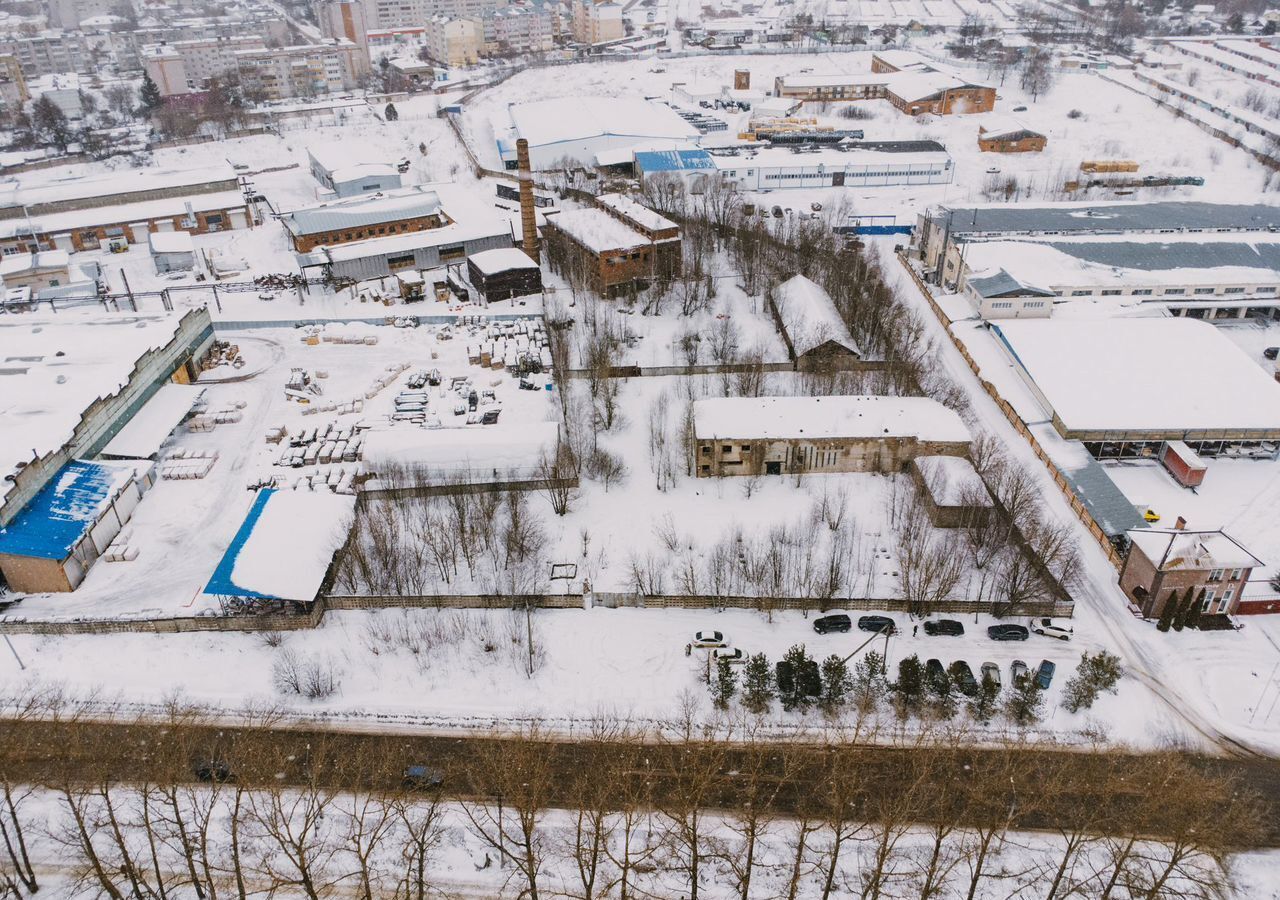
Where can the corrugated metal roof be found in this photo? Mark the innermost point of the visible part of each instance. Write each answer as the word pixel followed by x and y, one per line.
pixel 1156 257
pixel 674 160
pixel 1003 284
pixel 1109 507
pixel 1115 218
pixel 64 510
pixel 359 212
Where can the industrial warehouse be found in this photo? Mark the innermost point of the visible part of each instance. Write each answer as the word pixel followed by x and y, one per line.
pixel 1096 389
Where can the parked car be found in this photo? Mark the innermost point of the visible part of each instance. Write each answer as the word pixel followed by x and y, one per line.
pixel 1050 628
pixel 734 656
pixel 838 622
pixel 1271 352
pixel 706 639
pixel 1007 632
pixel 777 212
pixel 935 675
pixel 947 627
pixel 1044 674
pixel 421 777
pixel 213 770
pixel 962 677
pixel 991 674
pixel 881 624
pixel 1017 672
pixel 1019 109
pixel 993 170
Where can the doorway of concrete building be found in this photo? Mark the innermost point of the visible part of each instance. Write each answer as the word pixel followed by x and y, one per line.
pixel 773 468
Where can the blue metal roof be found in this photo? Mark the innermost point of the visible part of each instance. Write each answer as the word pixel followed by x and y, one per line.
pixel 674 160
pixel 220 582
pixel 64 510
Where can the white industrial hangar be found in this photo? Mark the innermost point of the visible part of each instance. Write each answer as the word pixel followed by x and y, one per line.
pixel 581 127
pixel 1124 386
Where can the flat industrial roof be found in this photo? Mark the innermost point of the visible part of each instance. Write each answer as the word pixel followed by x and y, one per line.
pixel 284 547
pixel 53 367
pixel 1165 375
pixel 825 418
pixel 363 210
pixel 64 510
pixel 1113 217
pixel 142 436
pixel 543 122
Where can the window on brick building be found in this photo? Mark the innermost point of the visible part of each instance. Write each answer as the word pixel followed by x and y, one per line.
pixel 1215 575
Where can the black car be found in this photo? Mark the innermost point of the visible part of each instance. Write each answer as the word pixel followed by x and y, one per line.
pixel 213 770
pixel 1271 352
pixel 838 622
pixel 936 676
pixel 948 627
pixel 882 624
pixel 962 677
pixel 1008 633
pixel 422 777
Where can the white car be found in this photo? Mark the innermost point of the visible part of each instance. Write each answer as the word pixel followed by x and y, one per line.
pixel 993 170
pixel 1050 628
pixel 732 655
pixel 709 639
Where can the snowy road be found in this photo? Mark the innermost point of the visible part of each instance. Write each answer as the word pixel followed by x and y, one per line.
pixel 1100 605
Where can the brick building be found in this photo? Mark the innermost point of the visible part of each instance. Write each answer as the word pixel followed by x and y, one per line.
pixel 1163 563
pixel 1009 137
pixel 614 244
pixel 363 217
pixel 907 80
pixel 780 435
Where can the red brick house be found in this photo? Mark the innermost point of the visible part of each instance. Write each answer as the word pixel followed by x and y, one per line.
pixel 616 243
pixel 1163 562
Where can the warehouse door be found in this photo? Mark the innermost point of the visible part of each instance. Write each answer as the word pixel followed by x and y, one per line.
pixel 837 179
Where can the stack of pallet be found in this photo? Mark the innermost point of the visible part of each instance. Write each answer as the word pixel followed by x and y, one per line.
pixel 186 464
pixel 120 549
pixel 389 375
pixel 510 345
pixel 317 446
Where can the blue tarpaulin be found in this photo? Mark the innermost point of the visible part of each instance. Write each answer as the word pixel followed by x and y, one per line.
pixel 220 582
pixel 64 510
pixel 651 161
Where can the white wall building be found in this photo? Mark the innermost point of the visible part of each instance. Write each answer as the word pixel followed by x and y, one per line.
pixel 579 128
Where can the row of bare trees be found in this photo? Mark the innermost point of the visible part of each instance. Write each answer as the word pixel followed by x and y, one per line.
pixel 681 812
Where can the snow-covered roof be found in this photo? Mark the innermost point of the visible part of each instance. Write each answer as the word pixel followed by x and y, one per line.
pixel 544 122
pixel 503 259
pixel 641 215
pixel 171 242
pixel 1001 284
pixel 829 158
pixel 1175 549
pixel 996 127
pixel 820 418
pixel 124 213
pixel 1109 217
pixel 363 170
pixel 477 451
pixel 21 263
pixel 142 435
pixel 1104 263
pixel 919 85
pixel 837 79
pixel 284 546
pixel 32 192
pixel 810 317
pixel 1164 375
pixel 952 481
pixel 53 367
pixel 651 161
pixel 362 211
pixel 345 153
pixel 598 231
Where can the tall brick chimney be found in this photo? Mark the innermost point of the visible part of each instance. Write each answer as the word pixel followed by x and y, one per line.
pixel 742 79
pixel 528 221
pixel 1181 524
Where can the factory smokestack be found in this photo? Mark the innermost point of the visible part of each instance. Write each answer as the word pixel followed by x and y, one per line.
pixel 528 222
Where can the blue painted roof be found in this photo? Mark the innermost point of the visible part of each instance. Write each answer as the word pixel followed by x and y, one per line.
pixel 674 160
pixel 64 510
pixel 220 582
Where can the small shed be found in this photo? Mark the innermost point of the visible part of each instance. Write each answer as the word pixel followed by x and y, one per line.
pixel 173 251
pixel 1183 463
pixel 504 273
pixel 809 323
pixel 63 529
